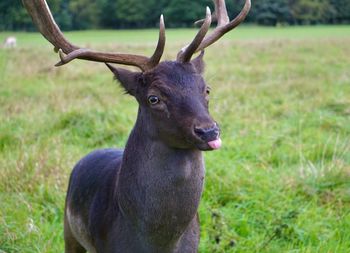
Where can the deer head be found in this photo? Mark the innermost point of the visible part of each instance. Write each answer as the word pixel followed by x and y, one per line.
pixel 172 95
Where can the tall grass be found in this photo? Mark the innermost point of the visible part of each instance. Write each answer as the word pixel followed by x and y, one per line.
pixel 281 182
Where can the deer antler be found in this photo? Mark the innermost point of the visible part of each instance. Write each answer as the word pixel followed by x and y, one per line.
pixel 224 25
pixel 42 17
pixel 186 53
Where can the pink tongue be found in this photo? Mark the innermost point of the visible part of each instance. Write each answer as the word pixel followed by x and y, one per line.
pixel 215 144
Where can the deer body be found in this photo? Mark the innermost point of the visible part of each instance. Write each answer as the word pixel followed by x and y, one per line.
pixel 145 198
pixel 10 42
pixel 146 216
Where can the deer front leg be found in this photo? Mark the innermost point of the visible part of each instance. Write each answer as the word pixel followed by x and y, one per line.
pixel 71 244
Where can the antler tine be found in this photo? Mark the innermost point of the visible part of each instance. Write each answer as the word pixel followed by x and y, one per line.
pixel 42 17
pixel 146 64
pixel 224 25
pixel 45 23
pixel 221 12
pixel 186 53
pixel 155 58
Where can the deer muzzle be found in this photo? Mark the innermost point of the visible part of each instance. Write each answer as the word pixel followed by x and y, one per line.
pixel 210 135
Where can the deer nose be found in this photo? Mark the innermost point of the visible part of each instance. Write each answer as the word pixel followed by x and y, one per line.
pixel 207 133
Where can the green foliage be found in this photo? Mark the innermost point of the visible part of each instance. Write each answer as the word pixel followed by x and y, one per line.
pixel 131 13
pixel 84 14
pixel 183 13
pixel 342 11
pixel 13 16
pixel 272 12
pixel 312 12
pixel 281 96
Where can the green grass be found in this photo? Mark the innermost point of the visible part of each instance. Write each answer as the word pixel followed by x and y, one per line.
pixel 281 182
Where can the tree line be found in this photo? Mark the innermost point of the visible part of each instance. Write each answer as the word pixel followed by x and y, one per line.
pixel 115 14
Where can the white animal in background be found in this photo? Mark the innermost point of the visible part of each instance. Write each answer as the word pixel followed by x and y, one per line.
pixel 10 42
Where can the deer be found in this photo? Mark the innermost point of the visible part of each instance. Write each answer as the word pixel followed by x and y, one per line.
pixel 10 42
pixel 145 197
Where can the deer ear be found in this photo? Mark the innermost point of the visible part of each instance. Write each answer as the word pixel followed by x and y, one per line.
pixel 198 63
pixel 128 79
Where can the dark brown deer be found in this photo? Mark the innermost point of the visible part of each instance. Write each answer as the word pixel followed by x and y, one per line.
pixel 145 198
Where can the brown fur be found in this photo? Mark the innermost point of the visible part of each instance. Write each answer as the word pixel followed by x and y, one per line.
pixel 145 198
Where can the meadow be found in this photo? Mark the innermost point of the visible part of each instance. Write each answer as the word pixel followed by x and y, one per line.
pixel 280 183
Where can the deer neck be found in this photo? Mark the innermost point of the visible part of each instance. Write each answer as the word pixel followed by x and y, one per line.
pixel 159 187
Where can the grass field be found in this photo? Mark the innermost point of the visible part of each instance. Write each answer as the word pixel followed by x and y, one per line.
pixel 281 182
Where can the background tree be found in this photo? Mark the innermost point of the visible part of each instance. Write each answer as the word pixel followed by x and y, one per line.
pixel 341 11
pixel 13 16
pixel 84 14
pixel 311 11
pixel 272 12
pixel 183 13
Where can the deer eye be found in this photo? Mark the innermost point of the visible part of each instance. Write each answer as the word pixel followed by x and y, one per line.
pixel 153 100
pixel 207 90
